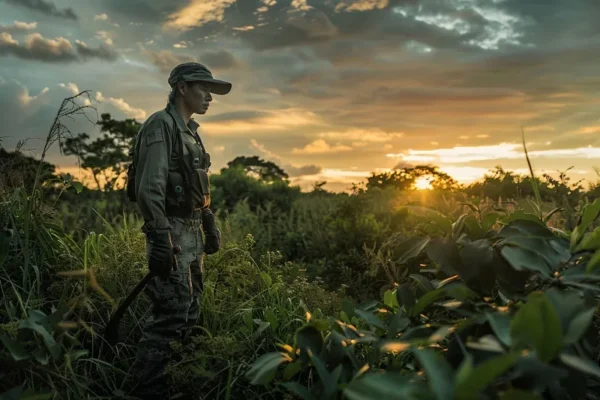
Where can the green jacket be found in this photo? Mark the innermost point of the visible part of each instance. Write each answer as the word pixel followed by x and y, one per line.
pixel 155 156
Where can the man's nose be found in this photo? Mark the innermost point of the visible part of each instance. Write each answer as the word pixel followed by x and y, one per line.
pixel 208 96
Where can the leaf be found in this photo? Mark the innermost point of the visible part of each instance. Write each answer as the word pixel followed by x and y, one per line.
pixel 589 214
pixel 528 227
pixel 399 323
pixel 409 248
pixel 538 326
pixel 16 349
pixel 444 252
pixel 590 241
pixel 291 369
pixel 489 220
pixel 270 316
pixel 264 368
pixel 77 185
pixel 581 364
pixel 389 299
pixel 525 260
pixel 38 322
pixel 474 228
pixel 426 300
pixel 579 324
pixel 386 385
pixel 247 317
pixel 298 389
pixel 593 263
pixel 423 282
pixel 5 238
pixel 266 278
pixel 439 373
pixel 470 387
pixel 500 324
pixel 457 227
pixel 261 328
pixel 521 215
pixel 405 297
pixel 308 338
pixel 371 319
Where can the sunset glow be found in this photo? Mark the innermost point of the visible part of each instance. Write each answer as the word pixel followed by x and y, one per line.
pixel 329 91
pixel 423 183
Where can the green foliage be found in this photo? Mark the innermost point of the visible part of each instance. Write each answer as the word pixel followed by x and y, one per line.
pixel 466 339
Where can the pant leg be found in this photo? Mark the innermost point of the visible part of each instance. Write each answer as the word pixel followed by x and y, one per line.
pixel 171 299
pixel 196 272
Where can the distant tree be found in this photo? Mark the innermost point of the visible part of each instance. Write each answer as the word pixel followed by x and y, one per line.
pixel 259 168
pixel 405 178
pixel 19 170
pixel 107 155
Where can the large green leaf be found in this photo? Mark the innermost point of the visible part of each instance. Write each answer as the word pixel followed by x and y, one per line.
pixel 522 259
pixel 439 373
pixel 584 365
pixel 386 385
pixel 371 319
pixel 444 252
pixel 537 325
pixel 426 300
pixel 405 297
pixel 409 248
pixel 471 385
pixel 264 368
pixel 478 271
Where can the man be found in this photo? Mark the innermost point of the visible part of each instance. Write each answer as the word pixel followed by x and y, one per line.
pixel 171 186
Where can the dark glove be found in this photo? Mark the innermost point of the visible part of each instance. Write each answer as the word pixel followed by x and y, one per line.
pixel 161 258
pixel 212 235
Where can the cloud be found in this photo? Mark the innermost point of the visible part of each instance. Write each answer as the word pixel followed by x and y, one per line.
pixel 362 135
pixel 18 26
pixel 45 7
pixel 101 17
pixel 243 28
pixel 300 5
pixel 105 36
pixel 320 146
pixel 165 60
pixel 291 169
pixel 123 106
pixel 263 121
pixel 197 13
pixel 360 5
pixel 59 50
pixel 71 87
pixel 501 151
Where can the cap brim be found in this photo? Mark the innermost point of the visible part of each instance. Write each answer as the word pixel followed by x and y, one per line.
pixel 217 86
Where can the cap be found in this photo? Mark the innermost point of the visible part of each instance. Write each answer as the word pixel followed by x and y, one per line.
pixel 193 71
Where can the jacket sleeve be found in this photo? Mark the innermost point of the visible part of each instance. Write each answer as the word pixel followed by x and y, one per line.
pixel 152 171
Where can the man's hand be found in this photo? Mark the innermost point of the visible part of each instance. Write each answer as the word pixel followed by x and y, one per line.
pixel 161 258
pixel 212 235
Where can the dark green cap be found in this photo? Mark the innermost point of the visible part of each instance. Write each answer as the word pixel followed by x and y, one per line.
pixel 193 71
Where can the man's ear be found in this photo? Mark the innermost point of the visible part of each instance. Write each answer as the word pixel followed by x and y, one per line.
pixel 181 86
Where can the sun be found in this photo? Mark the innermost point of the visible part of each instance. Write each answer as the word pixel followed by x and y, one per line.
pixel 423 183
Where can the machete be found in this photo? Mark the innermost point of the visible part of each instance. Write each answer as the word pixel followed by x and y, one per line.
pixel 111 331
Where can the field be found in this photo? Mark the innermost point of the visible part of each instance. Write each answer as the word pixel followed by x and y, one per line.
pixel 389 292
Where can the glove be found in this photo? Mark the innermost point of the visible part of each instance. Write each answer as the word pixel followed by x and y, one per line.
pixel 161 258
pixel 212 235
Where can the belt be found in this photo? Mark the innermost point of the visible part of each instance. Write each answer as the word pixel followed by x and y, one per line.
pixel 183 213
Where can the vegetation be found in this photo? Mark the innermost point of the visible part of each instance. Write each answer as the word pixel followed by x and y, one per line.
pixel 490 291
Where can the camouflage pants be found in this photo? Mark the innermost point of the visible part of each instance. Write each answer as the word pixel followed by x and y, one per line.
pixel 175 310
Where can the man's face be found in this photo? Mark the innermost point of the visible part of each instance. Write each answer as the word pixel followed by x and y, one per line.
pixel 197 97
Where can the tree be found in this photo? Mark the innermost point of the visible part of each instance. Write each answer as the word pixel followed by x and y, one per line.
pixel 258 168
pixel 107 155
pixel 19 170
pixel 404 178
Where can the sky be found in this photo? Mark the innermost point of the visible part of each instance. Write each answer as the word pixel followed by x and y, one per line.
pixel 329 90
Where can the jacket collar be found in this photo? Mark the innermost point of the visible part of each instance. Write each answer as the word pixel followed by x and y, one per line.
pixel 192 125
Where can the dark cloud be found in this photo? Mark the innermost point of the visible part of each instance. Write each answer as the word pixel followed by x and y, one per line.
pixel 165 60
pixel 301 171
pixel 245 115
pixel 220 59
pixel 45 7
pixel 58 50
